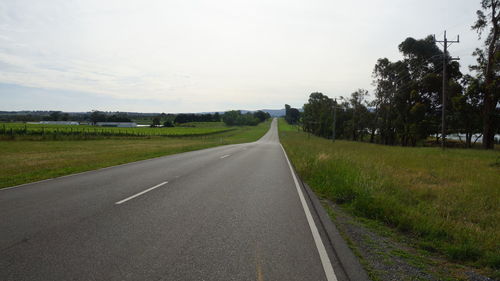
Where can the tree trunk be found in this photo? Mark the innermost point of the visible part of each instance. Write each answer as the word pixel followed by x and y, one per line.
pixel 468 139
pixel 490 97
pixel 372 135
pixel 414 141
pixel 488 124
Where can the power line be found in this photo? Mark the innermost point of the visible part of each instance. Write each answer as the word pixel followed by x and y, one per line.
pixel 445 42
pixel 334 117
pixel 408 76
pixel 424 61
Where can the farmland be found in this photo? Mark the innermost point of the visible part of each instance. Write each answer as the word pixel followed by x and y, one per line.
pixel 446 201
pixel 46 131
pixel 26 159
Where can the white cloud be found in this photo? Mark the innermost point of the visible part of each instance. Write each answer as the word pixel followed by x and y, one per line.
pixel 212 55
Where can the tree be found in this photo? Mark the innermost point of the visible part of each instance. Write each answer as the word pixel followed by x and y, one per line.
pixel 55 115
pixel 318 115
pixel 466 108
pixel 247 119
pixel 216 117
pixel 421 90
pixel 359 123
pixel 191 117
pixel 489 66
pixel 236 118
pixel 156 121
pixel 184 118
pixel 385 76
pixel 168 123
pixel 408 92
pixel 231 117
pixel 372 120
pixel 118 117
pixel 261 115
pixel 97 116
pixel 292 115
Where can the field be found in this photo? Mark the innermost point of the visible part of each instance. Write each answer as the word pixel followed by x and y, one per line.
pixel 203 124
pixel 448 202
pixel 44 131
pixel 25 161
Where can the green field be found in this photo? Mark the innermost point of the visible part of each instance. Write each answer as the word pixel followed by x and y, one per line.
pixel 32 160
pixel 40 131
pixel 449 201
pixel 203 124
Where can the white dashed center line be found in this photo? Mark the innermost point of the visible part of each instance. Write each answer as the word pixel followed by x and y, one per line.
pixel 140 193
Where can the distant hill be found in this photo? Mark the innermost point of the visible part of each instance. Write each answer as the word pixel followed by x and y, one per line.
pixel 275 112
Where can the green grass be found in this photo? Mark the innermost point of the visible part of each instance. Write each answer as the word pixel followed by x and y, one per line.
pixel 23 131
pixel 28 161
pixel 203 124
pixel 447 200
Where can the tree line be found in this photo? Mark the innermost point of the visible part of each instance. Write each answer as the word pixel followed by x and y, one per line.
pixel 98 116
pixel 230 118
pixel 407 104
pixel 236 118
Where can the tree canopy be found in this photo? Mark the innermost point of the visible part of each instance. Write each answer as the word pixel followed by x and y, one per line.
pixel 405 107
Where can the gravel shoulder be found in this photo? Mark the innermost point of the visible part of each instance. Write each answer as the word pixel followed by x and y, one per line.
pixel 389 256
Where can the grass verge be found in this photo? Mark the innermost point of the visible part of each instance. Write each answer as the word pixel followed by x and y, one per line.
pixel 28 161
pixel 448 201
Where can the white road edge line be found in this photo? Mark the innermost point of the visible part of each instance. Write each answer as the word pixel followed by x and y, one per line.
pixel 140 193
pixel 325 260
pixel 224 156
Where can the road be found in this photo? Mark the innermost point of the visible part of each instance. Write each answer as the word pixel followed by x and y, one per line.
pixel 226 213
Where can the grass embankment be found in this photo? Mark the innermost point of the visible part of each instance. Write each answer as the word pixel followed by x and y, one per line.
pixel 28 161
pixel 448 200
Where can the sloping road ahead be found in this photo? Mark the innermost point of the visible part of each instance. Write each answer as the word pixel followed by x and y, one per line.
pixel 225 213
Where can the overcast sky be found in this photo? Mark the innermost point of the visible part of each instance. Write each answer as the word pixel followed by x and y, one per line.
pixel 196 55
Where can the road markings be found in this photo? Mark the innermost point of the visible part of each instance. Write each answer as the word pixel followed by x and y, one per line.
pixel 258 264
pixel 224 156
pixel 260 276
pixel 140 193
pixel 325 260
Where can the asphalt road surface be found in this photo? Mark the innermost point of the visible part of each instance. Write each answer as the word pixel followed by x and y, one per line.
pixel 226 213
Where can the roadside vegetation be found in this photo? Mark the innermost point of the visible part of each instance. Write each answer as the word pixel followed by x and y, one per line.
pixel 28 161
pixel 448 201
pixel 409 97
pixel 174 125
pixel 20 131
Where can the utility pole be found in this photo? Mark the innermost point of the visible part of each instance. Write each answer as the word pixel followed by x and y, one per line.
pixel 445 44
pixel 334 117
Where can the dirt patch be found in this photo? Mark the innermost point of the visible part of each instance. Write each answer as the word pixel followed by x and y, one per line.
pixel 323 156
